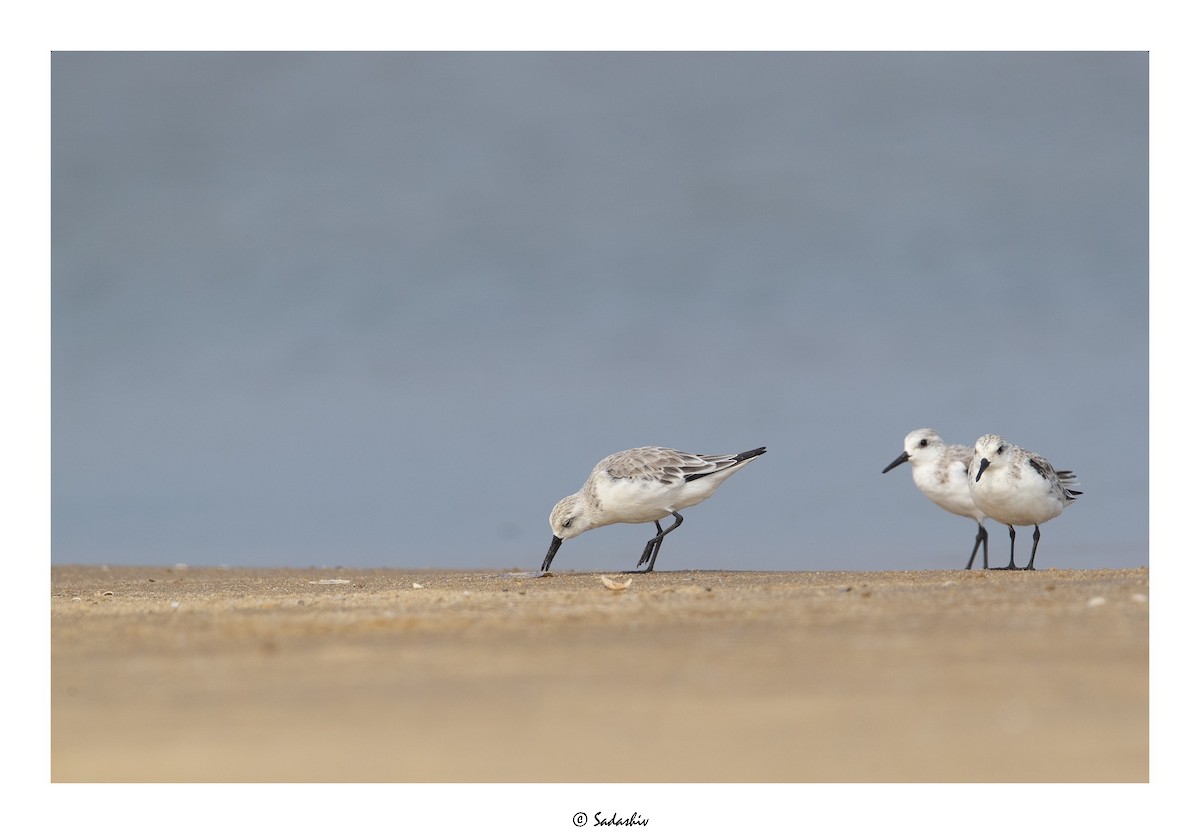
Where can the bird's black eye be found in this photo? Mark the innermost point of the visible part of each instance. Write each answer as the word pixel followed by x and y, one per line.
pixel 567 523
pixel 999 450
pixel 924 442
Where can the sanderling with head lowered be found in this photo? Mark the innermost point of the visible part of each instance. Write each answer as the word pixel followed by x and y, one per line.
pixel 1015 486
pixel 640 485
pixel 939 470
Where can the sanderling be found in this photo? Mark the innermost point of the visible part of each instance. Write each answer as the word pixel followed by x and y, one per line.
pixel 1015 486
pixel 639 485
pixel 940 471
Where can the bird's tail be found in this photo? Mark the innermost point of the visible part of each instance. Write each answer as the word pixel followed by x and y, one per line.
pixel 1068 479
pixel 753 453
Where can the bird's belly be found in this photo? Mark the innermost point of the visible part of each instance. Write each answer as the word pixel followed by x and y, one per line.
pixel 948 489
pixel 635 503
pixel 1018 508
pixel 957 501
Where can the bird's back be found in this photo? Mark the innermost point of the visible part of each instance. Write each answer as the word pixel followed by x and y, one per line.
pixel 650 482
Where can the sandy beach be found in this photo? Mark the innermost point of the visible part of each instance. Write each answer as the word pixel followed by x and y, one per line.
pixel 344 675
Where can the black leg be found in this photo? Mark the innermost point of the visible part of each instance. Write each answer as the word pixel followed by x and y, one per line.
pixel 654 555
pixel 1012 549
pixel 980 537
pixel 1037 535
pixel 652 546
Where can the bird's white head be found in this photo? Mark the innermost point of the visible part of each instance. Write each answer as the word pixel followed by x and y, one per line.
pixel 922 444
pixel 989 450
pixel 567 519
pixel 919 446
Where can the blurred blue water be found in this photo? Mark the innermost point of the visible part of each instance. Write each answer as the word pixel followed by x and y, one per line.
pixel 386 309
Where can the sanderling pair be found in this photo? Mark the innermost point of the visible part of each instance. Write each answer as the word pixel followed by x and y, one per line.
pixel 640 485
pixel 994 480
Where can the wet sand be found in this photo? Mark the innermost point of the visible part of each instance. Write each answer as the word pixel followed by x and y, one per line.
pixel 179 675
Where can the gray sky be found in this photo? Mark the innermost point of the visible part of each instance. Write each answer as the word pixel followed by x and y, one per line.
pixel 386 309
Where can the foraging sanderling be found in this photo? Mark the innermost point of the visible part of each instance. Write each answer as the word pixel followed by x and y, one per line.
pixel 640 485
pixel 1015 486
pixel 939 470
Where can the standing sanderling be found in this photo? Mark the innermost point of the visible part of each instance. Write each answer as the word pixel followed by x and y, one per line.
pixel 940 471
pixel 639 485
pixel 1015 486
